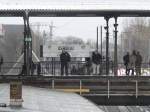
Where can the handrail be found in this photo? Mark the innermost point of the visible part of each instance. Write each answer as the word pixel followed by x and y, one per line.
pixel 98 88
pixel 52 68
pixel 108 82
pixel 136 88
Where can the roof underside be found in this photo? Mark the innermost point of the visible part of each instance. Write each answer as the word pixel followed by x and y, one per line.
pixel 74 13
pixel 75 8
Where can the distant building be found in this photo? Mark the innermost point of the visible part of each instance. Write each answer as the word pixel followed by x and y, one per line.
pixel 13 41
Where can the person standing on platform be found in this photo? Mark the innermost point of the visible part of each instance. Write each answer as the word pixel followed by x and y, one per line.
pixel 64 59
pixel 138 63
pixel 1 63
pixel 88 65
pixel 38 68
pixel 132 61
pixel 126 63
pixel 33 66
pixel 96 60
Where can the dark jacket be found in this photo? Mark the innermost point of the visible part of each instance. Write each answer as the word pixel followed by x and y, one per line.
pixel 96 58
pixel 64 57
pixel 126 59
pixel 1 61
pixel 138 61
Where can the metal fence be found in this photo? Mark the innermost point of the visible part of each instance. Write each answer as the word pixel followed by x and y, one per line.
pixel 53 68
pixel 109 87
pixel 10 68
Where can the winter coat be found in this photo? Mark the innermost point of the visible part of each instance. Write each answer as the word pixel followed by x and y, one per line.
pixel 132 61
pixel 96 58
pixel 126 60
pixel 64 57
pixel 138 60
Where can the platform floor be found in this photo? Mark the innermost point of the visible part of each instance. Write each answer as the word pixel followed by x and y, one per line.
pixel 46 100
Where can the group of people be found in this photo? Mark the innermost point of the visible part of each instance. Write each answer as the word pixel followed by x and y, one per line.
pixel 92 62
pixel 133 63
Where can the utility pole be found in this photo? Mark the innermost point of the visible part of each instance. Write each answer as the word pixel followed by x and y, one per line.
pixel 97 41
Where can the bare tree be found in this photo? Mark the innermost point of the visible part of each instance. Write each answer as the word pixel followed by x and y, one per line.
pixel 136 36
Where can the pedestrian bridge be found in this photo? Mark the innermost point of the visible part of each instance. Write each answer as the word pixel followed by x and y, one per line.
pixel 103 90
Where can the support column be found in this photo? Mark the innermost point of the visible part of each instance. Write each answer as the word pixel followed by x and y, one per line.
pixel 29 38
pixel 27 45
pixel 115 49
pixel 107 44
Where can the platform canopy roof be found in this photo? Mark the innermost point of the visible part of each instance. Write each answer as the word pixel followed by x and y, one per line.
pixel 75 8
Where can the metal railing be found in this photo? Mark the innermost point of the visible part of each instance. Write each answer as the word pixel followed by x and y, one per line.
pixel 10 68
pixel 103 87
pixel 53 68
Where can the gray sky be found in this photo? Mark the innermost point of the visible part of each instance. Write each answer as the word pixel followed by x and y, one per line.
pixel 80 27
pixel 83 27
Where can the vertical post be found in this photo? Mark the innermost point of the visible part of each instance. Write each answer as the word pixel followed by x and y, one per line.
pixel 97 41
pixel 26 44
pixel 25 47
pixel 136 88
pixel 29 48
pixel 101 41
pixel 80 87
pixel 108 84
pixel 107 44
pixel 115 50
pixel 52 67
pixel 53 84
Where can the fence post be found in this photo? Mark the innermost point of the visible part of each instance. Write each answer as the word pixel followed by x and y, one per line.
pixel 51 66
pixel 136 88
pixel 54 65
pixel 108 84
pixel 53 84
pixel 80 86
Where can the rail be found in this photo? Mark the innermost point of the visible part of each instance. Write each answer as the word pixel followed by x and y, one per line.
pixel 103 87
pixel 75 68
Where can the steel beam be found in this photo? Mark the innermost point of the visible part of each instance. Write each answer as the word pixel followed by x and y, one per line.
pixel 107 44
pixel 115 49
pixel 25 46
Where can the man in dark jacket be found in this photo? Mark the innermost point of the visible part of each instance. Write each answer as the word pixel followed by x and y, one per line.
pixel 64 59
pixel 126 62
pixel 1 62
pixel 96 60
pixel 88 65
pixel 138 63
